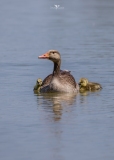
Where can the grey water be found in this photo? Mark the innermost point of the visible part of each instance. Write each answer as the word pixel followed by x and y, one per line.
pixel 56 126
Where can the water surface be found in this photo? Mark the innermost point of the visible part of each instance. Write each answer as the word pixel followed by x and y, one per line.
pixel 56 126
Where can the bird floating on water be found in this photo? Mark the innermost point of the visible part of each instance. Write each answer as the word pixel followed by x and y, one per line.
pixel 85 85
pixel 38 85
pixel 58 81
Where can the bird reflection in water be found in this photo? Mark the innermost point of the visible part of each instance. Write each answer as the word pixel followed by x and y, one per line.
pixel 59 102
pixel 57 110
pixel 84 95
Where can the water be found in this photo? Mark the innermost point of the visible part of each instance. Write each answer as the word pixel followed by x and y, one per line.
pixel 59 127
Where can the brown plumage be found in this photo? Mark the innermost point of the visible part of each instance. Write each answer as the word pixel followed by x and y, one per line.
pixel 47 80
pixel 58 81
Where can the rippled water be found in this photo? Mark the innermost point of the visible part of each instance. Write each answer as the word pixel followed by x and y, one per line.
pixel 56 126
